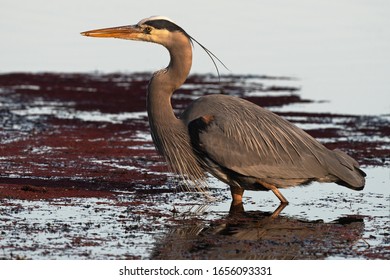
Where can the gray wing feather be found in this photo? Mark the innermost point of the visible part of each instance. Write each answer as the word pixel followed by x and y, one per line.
pixel 255 142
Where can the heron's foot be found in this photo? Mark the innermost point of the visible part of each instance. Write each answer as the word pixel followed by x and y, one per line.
pixel 282 205
pixel 236 208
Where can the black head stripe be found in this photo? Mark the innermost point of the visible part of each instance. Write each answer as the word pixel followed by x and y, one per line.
pixel 165 24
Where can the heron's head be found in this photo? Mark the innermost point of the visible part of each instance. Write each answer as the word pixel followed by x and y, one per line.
pixel 154 29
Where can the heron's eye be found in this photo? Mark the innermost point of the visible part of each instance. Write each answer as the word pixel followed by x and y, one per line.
pixel 147 30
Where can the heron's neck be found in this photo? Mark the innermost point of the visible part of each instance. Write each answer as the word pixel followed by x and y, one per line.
pixel 162 119
pixel 166 81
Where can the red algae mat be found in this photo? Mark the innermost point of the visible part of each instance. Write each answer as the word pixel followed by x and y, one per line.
pixel 80 178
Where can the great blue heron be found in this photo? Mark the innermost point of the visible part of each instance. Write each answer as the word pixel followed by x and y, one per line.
pixel 240 143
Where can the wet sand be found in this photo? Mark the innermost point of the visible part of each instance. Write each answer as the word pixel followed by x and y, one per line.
pixel 80 179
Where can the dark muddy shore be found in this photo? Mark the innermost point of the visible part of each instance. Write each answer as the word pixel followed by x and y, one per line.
pixel 80 179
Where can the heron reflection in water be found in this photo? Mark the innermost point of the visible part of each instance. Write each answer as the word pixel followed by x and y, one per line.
pixel 238 142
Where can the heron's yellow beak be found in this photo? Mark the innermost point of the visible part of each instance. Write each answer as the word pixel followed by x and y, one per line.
pixel 130 32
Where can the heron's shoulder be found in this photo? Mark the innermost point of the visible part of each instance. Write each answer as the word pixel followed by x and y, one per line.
pixel 220 98
pixel 224 102
pixel 223 105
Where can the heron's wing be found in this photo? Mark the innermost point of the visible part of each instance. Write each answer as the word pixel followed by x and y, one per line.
pixel 252 141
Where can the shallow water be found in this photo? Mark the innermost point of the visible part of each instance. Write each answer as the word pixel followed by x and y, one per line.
pixel 129 227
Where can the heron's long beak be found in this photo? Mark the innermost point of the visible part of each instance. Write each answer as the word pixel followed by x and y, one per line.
pixel 130 32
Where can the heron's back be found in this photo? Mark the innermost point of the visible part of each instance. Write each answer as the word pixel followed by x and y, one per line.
pixel 254 142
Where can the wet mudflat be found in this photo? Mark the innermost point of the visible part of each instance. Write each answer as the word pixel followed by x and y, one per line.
pixel 80 179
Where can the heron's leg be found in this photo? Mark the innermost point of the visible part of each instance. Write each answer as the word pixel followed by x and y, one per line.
pixel 282 199
pixel 275 190
pixel 237 194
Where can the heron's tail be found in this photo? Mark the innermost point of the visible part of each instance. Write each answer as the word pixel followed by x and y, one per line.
pixel 348 171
